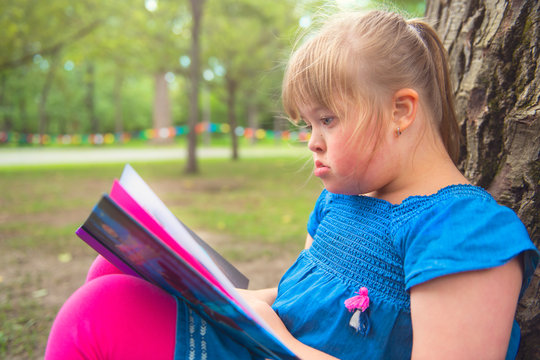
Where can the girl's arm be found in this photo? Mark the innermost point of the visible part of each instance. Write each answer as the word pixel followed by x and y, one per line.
pixel 467 315
pixel 309 241
pixel 267 296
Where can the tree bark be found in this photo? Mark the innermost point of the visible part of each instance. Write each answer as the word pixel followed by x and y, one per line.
pixel 494 49
pixel 194 75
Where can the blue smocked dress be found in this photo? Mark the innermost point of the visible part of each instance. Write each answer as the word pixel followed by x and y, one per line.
pixel 366 242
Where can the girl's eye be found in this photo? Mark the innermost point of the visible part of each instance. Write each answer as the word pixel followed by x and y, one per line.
pixel 327 120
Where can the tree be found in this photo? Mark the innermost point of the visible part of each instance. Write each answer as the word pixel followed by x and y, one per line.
pixel 35 30
pixel 115 47
pixel 248 51
pixel 494 53
pixel 34 27
pixel 194 76
pixel 164 31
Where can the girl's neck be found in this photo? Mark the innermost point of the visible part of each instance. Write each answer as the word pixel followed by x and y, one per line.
pixel 425 174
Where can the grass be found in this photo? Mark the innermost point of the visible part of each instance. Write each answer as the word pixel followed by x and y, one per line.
pixel 256 209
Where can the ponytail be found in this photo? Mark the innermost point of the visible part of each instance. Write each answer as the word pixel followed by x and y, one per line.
pixel 448 125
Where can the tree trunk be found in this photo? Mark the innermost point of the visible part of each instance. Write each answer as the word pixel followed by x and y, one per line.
pixel 90 98
pixel 118 113
pixel 42 109
pixel 23 116
pixel 279 127
pixel 231 114
pixel 253 120
pixel 494 54
pixel 162 107
pixel 7 121
pixel 194 75
pixel 207 117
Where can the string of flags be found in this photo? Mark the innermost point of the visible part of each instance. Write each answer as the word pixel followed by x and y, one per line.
pixel 147 134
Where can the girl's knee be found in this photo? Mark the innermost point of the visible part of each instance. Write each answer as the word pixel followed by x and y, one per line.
pixel 101 267
pixel 115 316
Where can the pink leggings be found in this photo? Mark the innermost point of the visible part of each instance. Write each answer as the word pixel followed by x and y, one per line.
pixel 114 316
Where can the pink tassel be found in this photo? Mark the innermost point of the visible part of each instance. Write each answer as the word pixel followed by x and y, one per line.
pixel 360 301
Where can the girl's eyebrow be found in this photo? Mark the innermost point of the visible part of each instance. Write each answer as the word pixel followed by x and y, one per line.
pixel 317 112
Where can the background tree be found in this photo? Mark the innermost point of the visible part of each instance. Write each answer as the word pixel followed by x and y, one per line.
pixel 34 27
pixel 117 48
pixel 39 32
pixel 123 66
pixel 194 77
pixel 494 54
pixel 249 52
pixel 165 33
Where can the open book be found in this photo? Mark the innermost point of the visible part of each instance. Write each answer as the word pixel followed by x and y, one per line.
pixel 134 230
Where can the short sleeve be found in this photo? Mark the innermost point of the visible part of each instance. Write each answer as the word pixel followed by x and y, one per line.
pixel 321 207
pixel 463 235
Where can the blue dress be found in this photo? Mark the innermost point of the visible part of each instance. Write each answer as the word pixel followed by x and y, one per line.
pixel 361 241
pixel 366 242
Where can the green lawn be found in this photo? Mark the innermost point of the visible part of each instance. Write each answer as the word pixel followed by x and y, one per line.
pixel 254 211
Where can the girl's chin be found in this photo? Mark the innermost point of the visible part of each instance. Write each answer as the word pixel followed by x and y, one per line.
pixel 341 190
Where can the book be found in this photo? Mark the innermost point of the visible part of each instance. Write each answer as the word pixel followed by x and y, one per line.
pixel 135 231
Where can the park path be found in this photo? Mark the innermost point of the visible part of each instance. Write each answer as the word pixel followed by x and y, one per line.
pixel 54 156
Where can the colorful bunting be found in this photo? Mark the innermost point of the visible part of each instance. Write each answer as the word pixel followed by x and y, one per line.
pixel 147 134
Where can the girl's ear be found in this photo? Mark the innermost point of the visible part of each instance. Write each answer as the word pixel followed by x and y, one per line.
pixel 405 104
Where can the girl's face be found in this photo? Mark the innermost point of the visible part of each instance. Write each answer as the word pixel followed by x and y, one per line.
pixel 346 162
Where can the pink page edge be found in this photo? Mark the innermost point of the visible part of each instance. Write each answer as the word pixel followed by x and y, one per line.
pixel 125 201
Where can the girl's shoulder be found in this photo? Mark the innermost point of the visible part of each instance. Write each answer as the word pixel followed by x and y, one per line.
pixel 460 228
pixel 465 208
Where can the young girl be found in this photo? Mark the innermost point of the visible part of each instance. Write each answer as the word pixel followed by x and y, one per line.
pixel 404 258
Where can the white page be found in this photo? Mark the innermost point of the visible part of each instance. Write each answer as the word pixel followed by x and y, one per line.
pixel 143 194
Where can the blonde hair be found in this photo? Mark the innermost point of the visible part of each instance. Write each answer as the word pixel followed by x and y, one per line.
pixel 361 59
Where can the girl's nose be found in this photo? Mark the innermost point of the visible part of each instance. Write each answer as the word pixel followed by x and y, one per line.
pixel 316 142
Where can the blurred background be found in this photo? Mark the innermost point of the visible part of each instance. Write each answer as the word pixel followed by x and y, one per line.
pixel 86 86
pixel 100 72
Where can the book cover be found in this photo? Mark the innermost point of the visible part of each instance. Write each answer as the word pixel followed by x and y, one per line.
pixel 139 190
pixel 136 242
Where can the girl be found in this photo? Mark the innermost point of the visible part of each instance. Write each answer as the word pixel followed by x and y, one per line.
pixel 404 258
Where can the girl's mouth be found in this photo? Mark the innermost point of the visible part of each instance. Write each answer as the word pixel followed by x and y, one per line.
pixel 320 169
